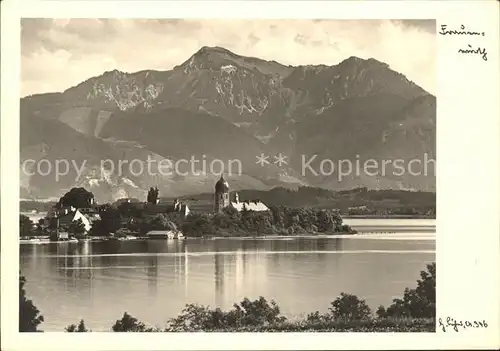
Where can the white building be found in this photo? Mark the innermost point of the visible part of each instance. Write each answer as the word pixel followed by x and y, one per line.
pixel 70 214
pixel 169 234
pixel 257 206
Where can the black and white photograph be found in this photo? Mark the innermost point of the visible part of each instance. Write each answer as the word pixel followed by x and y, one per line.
pixel 180 173
pixel 212 175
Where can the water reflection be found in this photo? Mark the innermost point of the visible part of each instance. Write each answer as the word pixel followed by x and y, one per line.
pixel 152 273
pixel 155 279
pixel 186 269
pixel 239 270
pixel 219 276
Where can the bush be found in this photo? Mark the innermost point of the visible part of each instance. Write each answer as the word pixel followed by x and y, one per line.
pixel 416 303
pixel 80 328
pixel 128 324
pixel 371 325
pixel 247 313
pixel 194 317
pixel 349 307
pixel 253 313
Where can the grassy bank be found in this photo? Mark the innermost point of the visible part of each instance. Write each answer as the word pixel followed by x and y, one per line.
pixel 386 325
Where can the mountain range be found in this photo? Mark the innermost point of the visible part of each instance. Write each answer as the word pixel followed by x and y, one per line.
pixel 220 105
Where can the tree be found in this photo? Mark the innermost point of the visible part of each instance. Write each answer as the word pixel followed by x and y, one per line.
pixel 80 328
pixel 349 307
pixel 328 221
pixel 162 222
pixel 426 286
pixel 245 212
pixel 128 324
pixel 194 318
pixel 247 313
pixel 40 225
pixel 381 312
pixel 25 225
pixel 416 303
pixel 197 225
pixel 231 212
pixel 153 195
pixel 29 316
pixel 76 228
pixel 159 222
pixel 76 197
pixel 110 222
pixel 254 313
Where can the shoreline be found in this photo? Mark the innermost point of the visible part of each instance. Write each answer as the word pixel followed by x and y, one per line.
pixel 235 237
pixel 387 217
pixel 367 216
pixel 211 237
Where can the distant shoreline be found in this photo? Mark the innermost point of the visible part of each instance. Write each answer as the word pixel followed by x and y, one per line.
pixel 386 217
pixel 38 214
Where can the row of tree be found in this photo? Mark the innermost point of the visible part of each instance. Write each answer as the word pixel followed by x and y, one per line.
pixel 416 309
pixel 111 221
pixel 279 220
pixel 28 228
pixel 398 211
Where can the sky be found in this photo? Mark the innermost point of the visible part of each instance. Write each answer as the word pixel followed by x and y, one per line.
pixel 57 54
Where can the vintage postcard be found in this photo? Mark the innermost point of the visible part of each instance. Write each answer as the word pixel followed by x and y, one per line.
pixel 248 170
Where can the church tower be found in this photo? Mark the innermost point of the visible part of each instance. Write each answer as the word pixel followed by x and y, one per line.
pixel 221 194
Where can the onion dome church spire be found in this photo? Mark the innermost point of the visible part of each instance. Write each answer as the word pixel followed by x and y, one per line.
pixel 221 199
pixel 222 185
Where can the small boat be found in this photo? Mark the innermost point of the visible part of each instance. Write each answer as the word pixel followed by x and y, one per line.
pixel 41 240
pixel 129 237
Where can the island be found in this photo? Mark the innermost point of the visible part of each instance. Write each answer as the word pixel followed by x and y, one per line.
pixel 77 216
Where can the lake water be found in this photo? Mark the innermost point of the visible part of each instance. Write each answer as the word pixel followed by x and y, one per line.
pixel 153 280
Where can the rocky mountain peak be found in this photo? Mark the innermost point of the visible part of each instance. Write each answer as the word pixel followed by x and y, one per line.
pixel 226 105
pixel 204 50
pixel 114 72
pixel 116 89
pixel 211 58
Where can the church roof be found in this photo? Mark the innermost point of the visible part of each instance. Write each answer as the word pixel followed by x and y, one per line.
pixel 256 206
pixel 222 185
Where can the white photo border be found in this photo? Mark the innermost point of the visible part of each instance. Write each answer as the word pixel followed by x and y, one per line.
pixel 468 179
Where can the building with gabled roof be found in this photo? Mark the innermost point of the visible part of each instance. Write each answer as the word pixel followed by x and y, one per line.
pixel 63 217
pixel 256 205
